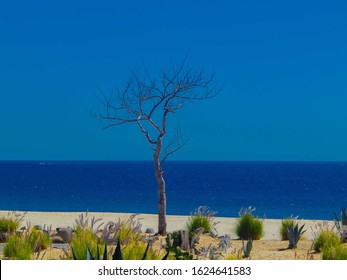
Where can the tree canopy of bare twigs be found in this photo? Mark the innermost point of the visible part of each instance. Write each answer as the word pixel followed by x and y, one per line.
pixel 147 101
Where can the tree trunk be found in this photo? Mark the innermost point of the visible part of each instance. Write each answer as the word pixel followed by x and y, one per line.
pixel 161 191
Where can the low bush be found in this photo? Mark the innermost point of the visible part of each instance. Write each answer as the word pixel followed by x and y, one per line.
pixel 337 252
pixel 125 231
pixel 18 248
pixel 90 242
pixel 23 245
pixel 201 218
pixel 82 239
pixel 284 227
pixel 326 239
pixel 10 224
pixel 249 227
pixel 39 240
pixel 134 250
pixel 181 243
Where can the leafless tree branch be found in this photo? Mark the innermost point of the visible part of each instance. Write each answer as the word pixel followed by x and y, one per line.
pixel 148 102
pixel 175 144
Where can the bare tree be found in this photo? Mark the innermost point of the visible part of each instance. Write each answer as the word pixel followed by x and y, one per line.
pixel 147 101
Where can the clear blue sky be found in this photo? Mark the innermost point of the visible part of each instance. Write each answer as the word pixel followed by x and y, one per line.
pixel 283 63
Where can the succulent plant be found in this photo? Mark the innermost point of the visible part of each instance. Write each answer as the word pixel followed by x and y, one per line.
pixel 247 248
pixel 339 223
pixel 294 234
pixel 117 255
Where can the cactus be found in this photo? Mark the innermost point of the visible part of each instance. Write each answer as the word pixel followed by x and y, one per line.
pixel 294 234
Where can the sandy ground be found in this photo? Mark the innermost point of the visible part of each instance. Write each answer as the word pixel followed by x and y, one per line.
pixel 270 247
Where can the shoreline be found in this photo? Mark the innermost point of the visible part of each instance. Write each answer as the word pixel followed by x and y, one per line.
pixel 224 225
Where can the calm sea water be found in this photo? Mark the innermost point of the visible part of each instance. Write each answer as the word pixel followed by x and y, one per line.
pixel 312 190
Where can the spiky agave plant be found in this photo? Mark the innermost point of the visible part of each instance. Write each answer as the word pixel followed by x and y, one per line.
pixel 117 255
pixel 341 224
pixel 247 248
pixel 294 234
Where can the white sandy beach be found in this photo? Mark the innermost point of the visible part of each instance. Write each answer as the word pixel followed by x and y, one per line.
pixel 224 226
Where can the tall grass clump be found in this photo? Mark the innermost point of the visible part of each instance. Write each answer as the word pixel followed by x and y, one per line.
pixel 18 248
pixel 134 243
pixel 10 224
pixel 90 242
pixel 26 244
pixel 326 239
pixel 82 239
pixel 203 218
pixel 337 252
pixel 134 250
pixel 85 238
pixel 249 227
pixel 129 230
pixel 38 239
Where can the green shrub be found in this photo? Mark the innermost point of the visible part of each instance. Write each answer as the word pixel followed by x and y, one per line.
pixel 90 242
pixel 337 252
pixel 326 239
pixel 178 254
pixel 8 225
pixel 196 222
pixel 126 232
pixel 284 227
pixel 233 257
pixel 174 239
pixel 134 250
pixel 18 248
pixel 39 240
pixel 249 227
pixel 82 239
pixel 123 230
pixel 201 218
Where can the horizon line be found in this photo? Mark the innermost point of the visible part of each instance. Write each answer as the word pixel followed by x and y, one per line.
pixel 148 160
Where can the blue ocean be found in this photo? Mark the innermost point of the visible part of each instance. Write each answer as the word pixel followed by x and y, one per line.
pixel 310 190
